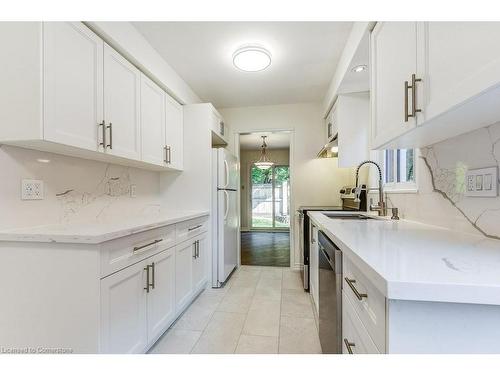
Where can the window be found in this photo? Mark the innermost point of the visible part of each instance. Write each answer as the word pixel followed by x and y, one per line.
pixel 399 169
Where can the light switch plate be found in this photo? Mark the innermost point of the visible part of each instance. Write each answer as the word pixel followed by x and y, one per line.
pixel 31 189
pixel 481 182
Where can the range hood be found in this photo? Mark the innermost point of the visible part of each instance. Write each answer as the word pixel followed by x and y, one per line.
pixel 330 150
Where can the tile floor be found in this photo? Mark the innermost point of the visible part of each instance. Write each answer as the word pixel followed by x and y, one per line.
pixel 261 310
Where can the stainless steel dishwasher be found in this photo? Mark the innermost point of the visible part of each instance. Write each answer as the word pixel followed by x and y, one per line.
pixel 330 295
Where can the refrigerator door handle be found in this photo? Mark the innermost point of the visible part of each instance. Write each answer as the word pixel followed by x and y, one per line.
pixel 226 204
pixel 226 169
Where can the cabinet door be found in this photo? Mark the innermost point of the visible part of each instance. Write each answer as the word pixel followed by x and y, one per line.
pixel 152 122
pixel 73 84
pixel 122 91
pixel 184 254
pixel 461 59
pixel 393 61
pixel 123 311
pixel 161 298
pixel 174 133
pixel 200 262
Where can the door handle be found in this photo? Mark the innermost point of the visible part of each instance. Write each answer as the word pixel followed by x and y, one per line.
pixel 147 278
pixel 136 248
pixel 103 143
pixel 195 227
pixel 194 249
pixel 110 127
pixel 349 346
pixel 169 154
pixel 152 275
pixel 413 87
pixel 359 295
pixel 166 156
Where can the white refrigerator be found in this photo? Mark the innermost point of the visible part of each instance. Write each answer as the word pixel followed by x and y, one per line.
pixel 225 225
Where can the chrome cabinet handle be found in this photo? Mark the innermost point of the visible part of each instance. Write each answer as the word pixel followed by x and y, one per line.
pixel 169 155
pixel 147 278
pixel 153 275
pixel 351 282
pixel 349 346
pixel 103 143
pixel 110 127
pixel 198 248
pixel 196 227
pixel 413 87
pixel 194 250
pixel 165 151
pixel 146 245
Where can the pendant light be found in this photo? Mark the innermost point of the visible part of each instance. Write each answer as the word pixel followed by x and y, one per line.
pixel 264 163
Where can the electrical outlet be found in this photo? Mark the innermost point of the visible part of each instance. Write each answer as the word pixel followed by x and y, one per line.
pixel 31 189
pixel 482 182
pixel 133 191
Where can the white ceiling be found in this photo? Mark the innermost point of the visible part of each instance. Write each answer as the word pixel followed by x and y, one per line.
pixel 276 140
pixel 304 58
pixel 353 81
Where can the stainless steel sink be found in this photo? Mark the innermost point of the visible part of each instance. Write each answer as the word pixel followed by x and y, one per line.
pixel 348 216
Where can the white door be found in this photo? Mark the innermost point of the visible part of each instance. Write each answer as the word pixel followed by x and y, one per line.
pixel 161 298
pixel 123 311
pixel 393 60
pixel 200 262
pixel 122 90
pixel 184 255
pixel 461 59
pixel 174 133
pixel 152 122
pixel 73 84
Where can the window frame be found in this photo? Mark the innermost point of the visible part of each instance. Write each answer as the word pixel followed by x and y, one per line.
pixel 400 187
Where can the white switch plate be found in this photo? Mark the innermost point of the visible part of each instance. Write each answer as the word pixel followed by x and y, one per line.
pixel 31 189
pixel 481 182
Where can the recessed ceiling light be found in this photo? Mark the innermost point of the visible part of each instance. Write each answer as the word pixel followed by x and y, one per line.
pixel 43 160
pixel 251 58
pixel 359 68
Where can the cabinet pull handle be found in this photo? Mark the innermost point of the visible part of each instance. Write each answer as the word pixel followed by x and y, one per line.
pixel 153 275
pixel 414 81
pixel 196 227
pixel 147 278
pixel 165 151
pixel 146 245
pixel 169 154
pixel 198 249
pixel 103 143
pixel 110 127
pixel 194 249
pixel 351 282
pixel 407 115
pixel 349 345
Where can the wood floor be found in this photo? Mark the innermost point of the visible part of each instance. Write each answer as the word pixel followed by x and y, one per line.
pixel 265 249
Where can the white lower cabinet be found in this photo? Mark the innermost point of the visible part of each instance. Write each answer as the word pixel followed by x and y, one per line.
pixel 314 266
pixel 200 262
pixel 124 311
pixel 184 254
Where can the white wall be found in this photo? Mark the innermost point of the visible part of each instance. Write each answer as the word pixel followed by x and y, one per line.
pixel 247 158
pixel 95 191
pixel 313 181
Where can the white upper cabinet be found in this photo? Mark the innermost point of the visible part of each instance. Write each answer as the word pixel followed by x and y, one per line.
pixel 73 84
pixel 453 73
pixel 174 138
pixel 219 127
pixel 122 89
pixel 152 122
pixel 393 61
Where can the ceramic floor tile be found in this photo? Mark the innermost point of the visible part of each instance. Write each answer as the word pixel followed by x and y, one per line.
pixel 195 318
pixel 236 303
pixel 273 294
pixel 263 318
pixel 257 345
pixel 222 333
pixel 176 341
pixel 271 273
pixel 296 303
pixel 268 283
pixel 292 280
pixel 298 335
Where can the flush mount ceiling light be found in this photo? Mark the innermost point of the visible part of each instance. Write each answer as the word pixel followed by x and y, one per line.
pixel 359 68
pixel 264 162
pixel 251 58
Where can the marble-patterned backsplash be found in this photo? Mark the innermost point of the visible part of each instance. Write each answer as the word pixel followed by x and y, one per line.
pixel 75 190
pixel 441 181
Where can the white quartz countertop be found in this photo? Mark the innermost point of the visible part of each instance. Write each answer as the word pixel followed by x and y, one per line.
pixel 412 261
pixel 97 231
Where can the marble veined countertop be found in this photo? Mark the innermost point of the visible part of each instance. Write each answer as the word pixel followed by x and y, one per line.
pixel 412 261
pixel 97 231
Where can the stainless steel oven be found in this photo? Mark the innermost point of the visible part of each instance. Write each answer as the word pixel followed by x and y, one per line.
pixel 330 295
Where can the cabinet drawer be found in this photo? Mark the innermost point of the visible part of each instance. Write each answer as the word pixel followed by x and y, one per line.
pixel 370 308
pixel 191 228
pixel 122 252
pixel 354 335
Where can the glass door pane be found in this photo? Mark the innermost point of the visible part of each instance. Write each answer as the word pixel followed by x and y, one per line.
pixel 262 198
pixel 281 178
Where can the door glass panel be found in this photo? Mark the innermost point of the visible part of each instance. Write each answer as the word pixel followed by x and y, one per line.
pixel 270 197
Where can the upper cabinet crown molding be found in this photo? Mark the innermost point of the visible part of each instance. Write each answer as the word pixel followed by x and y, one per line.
pixel 71 93
pixel 432 81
